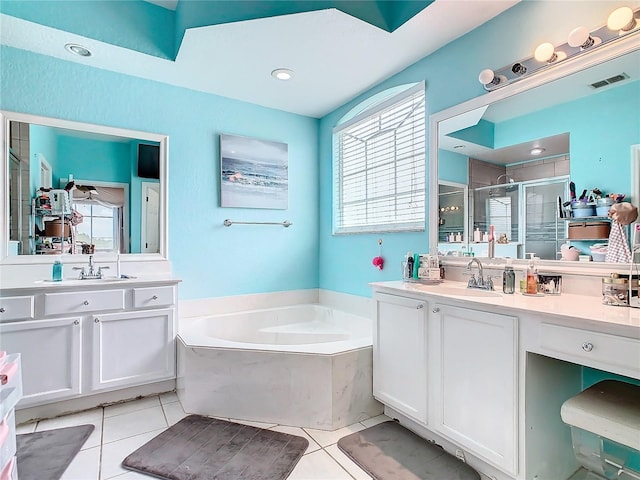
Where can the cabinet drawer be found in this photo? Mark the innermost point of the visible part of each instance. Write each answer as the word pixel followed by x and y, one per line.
pixel 599 350
pixel 79 302
pixel 153 297
pixel 16 308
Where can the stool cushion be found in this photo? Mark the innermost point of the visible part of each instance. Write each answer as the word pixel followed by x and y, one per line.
pixel 610 409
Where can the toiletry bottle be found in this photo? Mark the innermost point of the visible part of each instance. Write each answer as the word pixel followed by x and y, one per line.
pixel 532 277
pixel 492 242
pixel 56 274
pixel 416 265
pixel 477 235
pixel 409 272
pixel 508 278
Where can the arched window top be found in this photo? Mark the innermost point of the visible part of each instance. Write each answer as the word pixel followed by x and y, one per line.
pixel 375 100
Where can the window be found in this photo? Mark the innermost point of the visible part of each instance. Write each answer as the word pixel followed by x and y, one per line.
pixel 379 167
pixel 99 226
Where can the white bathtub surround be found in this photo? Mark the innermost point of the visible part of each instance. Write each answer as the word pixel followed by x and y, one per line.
pixel 306 366
pixel 238 303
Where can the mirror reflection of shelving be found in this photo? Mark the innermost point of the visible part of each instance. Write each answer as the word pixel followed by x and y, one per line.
pixel 52 230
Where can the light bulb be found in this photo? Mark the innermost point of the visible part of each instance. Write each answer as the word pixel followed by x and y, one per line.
pixel 282 74
pixel 486 76
pixel 545 53
pixel 580 37
pixel 621 19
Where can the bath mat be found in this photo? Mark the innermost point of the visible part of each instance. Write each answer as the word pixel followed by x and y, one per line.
pixel 388 451
pixel 46 455
pixel 203 448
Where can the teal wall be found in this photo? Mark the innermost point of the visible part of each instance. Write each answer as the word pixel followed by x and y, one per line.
pixel 89 159
pixel 212 260
pixel 451 77
pixel 453 167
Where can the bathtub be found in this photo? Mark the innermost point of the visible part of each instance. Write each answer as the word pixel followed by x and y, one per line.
pixel 302 365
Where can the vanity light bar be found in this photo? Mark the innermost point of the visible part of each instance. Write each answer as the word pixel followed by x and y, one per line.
pixel 580 41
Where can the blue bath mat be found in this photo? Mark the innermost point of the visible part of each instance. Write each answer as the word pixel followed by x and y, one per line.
pixel 203 448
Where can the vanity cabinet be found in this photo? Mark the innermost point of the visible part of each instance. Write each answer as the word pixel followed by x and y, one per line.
pixel 51 354
pixel 400 354
pixel 85 340
pixel 473 381
pixel 132 348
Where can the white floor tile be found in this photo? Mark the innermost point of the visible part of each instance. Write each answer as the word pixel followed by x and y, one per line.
pixel 133 423
pixel 85 466
pixel 169 397
pixel 354 470
pixel 325 438
pixel 370 422
pixel 132 476
pixel 131 406
pixel 173 412
pixel 89 417
pixel 114 453
pixel 26 428
pixel 313 446
pixel 318 465
pixel 252 424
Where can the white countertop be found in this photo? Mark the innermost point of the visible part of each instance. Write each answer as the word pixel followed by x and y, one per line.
pixel 577 307
pixel 76 284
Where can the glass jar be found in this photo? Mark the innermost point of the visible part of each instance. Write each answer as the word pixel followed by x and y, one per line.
pixel 615 291
pixel 508 280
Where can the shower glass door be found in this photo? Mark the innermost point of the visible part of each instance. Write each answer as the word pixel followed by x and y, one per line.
pixel 542 231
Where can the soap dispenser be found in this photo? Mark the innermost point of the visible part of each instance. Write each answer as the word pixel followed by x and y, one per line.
pixel 532 276
pixel 508 278
pixel 56 274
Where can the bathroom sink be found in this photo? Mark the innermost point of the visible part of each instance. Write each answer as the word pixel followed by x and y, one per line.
pixel 461 291
pixel 77 281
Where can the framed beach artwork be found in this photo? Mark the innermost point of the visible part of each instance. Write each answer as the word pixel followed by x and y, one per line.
pixel 254 173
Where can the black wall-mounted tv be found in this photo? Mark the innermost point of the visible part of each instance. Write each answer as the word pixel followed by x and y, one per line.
pixel 149 161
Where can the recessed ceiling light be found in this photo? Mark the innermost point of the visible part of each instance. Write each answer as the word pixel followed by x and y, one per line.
pixel 536 151
pixel 78 50
pixel 282 74
pixel 458 146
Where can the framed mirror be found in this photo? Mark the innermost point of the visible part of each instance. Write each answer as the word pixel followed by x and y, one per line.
pixel 75 188
pixel 517 148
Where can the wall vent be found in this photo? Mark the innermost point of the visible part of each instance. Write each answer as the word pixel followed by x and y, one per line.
pixel 610 80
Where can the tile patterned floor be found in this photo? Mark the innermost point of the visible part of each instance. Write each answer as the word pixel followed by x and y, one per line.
pixel 122 428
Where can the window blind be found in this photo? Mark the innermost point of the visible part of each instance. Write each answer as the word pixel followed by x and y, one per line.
pixel 379 167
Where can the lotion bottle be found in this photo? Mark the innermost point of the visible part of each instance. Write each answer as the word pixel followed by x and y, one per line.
pixel 532 277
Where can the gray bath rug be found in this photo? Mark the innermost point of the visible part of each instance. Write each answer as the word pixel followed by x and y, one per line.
pixel 46 455
pixel 388 451
pixel 203 448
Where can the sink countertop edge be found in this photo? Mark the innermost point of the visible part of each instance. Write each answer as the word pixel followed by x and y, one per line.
pixel 567 305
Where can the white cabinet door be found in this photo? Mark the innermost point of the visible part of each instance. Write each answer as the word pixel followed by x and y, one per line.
pixel 473 382
pixel 132 348
pixel 51 351
pixel 400 355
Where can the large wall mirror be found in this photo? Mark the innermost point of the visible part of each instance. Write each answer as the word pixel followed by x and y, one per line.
pixel 74 189
pixel 517 149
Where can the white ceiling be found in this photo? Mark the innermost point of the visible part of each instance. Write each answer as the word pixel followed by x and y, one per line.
pixel 334 56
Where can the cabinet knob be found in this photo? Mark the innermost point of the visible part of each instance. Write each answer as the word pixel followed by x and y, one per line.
pixel 86 302
pixel 76 322
pixel 587 346
pixel 155 297
pixel 96 320
pixel 436 310
pixel 1 309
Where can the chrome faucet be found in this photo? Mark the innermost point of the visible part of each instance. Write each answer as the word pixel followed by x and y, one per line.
pixel 479 282
pixel 91 273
